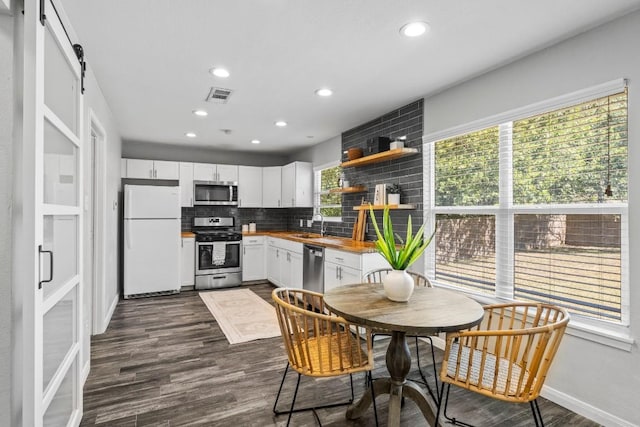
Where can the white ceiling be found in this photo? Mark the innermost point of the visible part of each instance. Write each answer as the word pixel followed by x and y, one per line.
pixel 152 59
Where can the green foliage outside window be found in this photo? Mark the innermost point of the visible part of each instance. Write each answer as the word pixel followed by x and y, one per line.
pixel 330 203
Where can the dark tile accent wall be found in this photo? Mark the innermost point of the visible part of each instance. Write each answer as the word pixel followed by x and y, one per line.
pixel 407 171
pixel 265 219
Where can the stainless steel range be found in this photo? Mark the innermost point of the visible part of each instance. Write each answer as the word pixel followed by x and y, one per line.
pixel 218 253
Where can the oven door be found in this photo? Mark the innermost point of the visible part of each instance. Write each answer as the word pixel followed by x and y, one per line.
pixel 218 257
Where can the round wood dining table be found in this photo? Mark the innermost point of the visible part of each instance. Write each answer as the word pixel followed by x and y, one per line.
pixel 429 311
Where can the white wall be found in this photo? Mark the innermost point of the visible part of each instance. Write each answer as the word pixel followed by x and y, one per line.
pixel 6 141
pixel 146 150
pixel 94 100
pixel 598 381
pixel 321 153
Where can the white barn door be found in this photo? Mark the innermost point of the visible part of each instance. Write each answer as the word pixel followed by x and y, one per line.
pixel 52 301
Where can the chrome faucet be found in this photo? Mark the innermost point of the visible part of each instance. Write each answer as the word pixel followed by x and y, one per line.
pixel 322 229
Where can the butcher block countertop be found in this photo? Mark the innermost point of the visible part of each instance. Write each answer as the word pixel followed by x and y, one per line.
pixel 341 243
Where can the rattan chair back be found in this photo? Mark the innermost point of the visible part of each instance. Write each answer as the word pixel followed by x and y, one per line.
pixel 509 354
pixel 376 276
pixel 318 342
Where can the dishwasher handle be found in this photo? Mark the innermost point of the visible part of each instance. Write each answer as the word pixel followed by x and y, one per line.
pixel 315 251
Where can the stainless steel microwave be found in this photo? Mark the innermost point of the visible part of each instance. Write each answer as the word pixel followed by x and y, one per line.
pixel 215 193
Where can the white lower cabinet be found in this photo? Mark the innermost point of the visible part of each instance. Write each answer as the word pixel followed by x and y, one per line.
pixel 188 261
pixel 343 267
pixel 284 263
pixel 254 258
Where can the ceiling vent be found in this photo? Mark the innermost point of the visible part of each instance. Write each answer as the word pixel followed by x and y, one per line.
pixel 218 95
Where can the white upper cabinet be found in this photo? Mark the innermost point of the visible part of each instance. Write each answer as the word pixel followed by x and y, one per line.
pixel 150 169
pixel 212 172
pixel 186 184
pixel 249 187
pixel 272 187
pixel 297 185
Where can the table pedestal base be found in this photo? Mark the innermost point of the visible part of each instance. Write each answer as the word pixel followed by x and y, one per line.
pixel 398 363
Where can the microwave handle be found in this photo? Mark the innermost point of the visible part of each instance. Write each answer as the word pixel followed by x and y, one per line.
pixel 231 193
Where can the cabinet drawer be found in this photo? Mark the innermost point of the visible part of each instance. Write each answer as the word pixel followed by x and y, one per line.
pixel 349 259
pixel 252 240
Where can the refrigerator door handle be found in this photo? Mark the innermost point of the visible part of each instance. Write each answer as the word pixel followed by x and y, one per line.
pixel 128 205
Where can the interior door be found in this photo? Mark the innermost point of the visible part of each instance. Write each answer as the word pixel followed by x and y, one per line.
pixel 52 302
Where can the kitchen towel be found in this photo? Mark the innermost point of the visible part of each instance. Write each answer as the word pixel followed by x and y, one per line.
pixel 218 253
pixel 242 315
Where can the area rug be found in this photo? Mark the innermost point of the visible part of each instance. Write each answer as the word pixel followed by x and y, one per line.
pixel 242 315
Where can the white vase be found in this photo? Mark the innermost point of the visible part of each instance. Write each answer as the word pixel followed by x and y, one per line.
pixel 398 285
pixel 393 199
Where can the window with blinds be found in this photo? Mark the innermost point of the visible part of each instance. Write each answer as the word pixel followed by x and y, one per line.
pixel 535 208
pixel 326 203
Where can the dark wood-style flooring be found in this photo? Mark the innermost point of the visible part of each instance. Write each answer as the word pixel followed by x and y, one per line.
pixel 164 361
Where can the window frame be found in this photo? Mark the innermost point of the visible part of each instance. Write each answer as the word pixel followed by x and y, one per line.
pixel 317 170
pixel 614 333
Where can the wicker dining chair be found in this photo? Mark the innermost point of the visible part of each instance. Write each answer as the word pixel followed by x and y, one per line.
pixel 318 343
pixel 507 356
pixel 376 276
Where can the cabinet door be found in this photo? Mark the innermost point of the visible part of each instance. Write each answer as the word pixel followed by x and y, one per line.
pixel 249 187
pixel 303 197
pixel 123 168
pixel 348 275
pixel 285 268
pixel 188 262
pixel 166 170
pixel 271 187
pixel 295 265
pixel 137 168
pixel 288 185
pixel 226 173
pixel 331 279
pixel 273 265
pixel 253 265
pixel 203 172
pixel 186 184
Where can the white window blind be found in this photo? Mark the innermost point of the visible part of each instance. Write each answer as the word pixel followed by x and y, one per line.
pixel 535 208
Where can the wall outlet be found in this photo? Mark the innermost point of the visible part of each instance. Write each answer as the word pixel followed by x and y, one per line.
pixel 301 222
pixel 309 223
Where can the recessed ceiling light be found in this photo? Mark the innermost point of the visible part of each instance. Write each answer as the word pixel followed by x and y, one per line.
pixel 281 123
pixel 200 113
pixel 324 92
pixel 255 141
pixel 190 135
pixel 220 72
pixel 414 29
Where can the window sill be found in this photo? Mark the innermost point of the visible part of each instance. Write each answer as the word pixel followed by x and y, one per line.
pixel 616 336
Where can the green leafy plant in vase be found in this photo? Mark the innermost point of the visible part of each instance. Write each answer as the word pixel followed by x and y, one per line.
pixel 400 254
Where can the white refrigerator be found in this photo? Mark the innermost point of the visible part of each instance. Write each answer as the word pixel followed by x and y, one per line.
pixel 151 240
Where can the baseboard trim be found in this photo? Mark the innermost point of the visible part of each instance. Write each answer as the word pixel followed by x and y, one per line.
pixel 579 407
pixel 85 372
pixel 563 399
pixel 109 314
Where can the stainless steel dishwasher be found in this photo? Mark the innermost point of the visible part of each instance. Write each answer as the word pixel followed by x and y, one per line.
pixel 313 268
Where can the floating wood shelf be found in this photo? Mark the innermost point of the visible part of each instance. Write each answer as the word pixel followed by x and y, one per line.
pixel 355 189
pixel 381 157
pixel 378 207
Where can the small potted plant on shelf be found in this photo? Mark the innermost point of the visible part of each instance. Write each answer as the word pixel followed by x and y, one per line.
pixel 393 194
pixel 398 284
